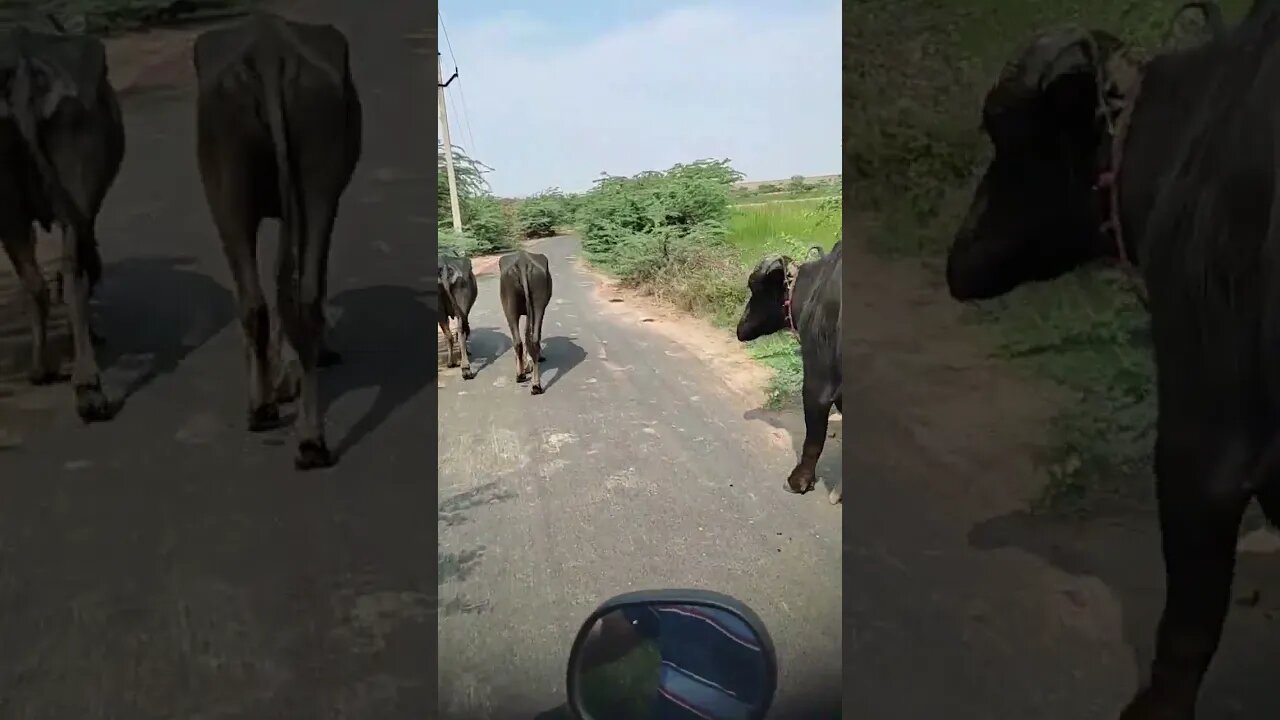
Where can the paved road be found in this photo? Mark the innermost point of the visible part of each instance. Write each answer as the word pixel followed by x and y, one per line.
pixel 636 469
pixel 169 564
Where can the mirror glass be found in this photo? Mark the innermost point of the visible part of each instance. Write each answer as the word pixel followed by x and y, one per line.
pixel 659 661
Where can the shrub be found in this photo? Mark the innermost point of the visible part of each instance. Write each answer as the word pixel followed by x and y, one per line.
pixel 542 214
pixel 485 220
pixel 625 219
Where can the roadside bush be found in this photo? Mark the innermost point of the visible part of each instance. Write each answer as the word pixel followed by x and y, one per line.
pixel 631 225
pixel 542 214
pixel 451 242
pixel 491 226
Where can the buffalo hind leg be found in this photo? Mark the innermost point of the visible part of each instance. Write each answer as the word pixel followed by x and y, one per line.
pixel 446 325
pixel 533 349
pixel 239 233
pixel 328 356
pixel 20 244
pixel 518 347
pixel 91 403
pixel 448 340
pixel 1198 536
pixel 464 334
pixel 303 318
pixel 836 496
pixel 818 399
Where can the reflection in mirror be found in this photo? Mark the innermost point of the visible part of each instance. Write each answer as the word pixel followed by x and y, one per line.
pixel 664 661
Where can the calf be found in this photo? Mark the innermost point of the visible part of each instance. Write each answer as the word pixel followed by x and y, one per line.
pixel 457 292
pixel 278 136
pixel 61 145
pixel 524 284
pixel 806 299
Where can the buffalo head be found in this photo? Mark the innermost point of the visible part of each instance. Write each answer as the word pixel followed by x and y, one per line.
pixel 1034 214
pixel 766 311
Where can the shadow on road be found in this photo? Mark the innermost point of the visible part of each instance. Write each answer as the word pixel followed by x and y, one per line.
pixel 488 344
pixel 155 312
pixel 457 567
pixel 562 355
pixel 791 420
pixel 379 334
pixel 1123 553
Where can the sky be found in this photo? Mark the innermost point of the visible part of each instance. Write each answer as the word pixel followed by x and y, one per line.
pixel 552 94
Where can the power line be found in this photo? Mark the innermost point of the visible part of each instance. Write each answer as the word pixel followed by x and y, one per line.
pixel 466 112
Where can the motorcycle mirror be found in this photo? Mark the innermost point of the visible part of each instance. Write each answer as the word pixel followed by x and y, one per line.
pixel 672 653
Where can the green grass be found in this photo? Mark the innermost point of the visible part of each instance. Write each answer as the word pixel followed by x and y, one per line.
pixel 624 689
pixel 781 227
pixel 916 71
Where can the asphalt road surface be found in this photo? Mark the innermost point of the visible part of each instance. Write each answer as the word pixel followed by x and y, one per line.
pixel 636 469
pixel 169 564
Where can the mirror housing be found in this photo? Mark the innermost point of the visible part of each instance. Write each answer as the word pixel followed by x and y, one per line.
pixel 693 649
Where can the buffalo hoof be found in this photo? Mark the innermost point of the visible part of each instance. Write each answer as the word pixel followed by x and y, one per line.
pixel 521 377
pixel 535 389
pixel 468 373
pixel 41 376
pixel 453 363
pixel 264 418
pixel 312 455
pixel 329 358
pixel 91 403
pixel 801 480
pixel 836 496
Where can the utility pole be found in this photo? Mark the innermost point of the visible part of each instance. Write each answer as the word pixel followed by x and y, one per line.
pixel 448 146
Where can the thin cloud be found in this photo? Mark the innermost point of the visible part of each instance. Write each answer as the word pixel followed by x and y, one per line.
pixel 757 84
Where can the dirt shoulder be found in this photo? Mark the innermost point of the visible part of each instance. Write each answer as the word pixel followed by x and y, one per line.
pixel 913 354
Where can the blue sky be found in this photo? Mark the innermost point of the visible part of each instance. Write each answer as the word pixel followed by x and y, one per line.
pixel 554 93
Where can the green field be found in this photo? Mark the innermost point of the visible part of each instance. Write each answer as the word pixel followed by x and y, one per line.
pixel 781 227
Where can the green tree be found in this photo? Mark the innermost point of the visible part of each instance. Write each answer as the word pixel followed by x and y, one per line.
pixel 486 226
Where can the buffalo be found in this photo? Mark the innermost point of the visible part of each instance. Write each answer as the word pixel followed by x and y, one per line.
pixel 1168 167
pixel 457 292
pixel 61 144
pixel 278 126
pixel 806 299
pixel 524 286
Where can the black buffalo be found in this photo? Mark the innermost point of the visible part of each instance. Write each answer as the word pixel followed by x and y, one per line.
pixel 1173 168
pixel 524 285
pixel 278 136
pixel 457 292
pixel 61 145
pixel 806 299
